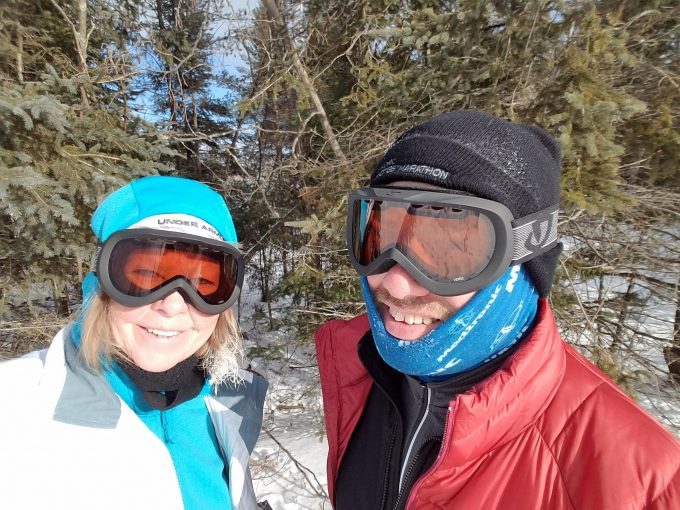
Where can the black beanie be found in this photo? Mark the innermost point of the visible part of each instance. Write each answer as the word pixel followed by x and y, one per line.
pixel 517 165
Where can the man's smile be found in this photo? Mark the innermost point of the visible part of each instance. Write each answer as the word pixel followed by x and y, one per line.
pixel 411 318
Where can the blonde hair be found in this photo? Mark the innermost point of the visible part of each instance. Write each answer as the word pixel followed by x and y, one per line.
pixel 221 356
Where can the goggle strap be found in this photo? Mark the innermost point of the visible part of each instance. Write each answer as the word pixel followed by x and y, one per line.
pixel 95 259
pixel 534 234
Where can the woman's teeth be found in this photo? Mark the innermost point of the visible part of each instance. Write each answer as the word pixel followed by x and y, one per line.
pixel 412 319
pixel 164 334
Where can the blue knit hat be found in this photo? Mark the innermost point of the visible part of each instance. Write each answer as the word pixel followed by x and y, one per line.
pixel 159 195
pixel 164 198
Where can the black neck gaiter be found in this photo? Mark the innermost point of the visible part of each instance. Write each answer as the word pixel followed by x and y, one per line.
pixel 168 389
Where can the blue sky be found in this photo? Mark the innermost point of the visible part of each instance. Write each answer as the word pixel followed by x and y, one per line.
pixel 222 61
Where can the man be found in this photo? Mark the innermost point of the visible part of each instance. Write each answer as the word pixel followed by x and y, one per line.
pixel 461 394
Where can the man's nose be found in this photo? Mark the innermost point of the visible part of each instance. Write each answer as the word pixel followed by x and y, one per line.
pixel 402 285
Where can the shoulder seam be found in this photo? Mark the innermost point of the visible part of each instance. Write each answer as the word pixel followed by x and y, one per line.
pixel 557 465
pixel 571 415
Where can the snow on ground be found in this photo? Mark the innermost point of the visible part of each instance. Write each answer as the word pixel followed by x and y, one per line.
pixel 289 462
pixel 288 465
pixel 642 354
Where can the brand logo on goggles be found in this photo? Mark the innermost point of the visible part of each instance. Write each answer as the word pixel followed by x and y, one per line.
pixel 542 233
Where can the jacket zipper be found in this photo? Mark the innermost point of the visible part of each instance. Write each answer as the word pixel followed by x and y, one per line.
pixel 413 440
pixel 448 425
pixel 408 464
pixel 383 499
pixel 411 466
pixel 166 441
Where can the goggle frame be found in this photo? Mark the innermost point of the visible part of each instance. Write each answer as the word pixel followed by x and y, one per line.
pixel 512 236
pixel 177 283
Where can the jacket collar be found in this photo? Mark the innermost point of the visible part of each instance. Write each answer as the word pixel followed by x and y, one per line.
pixel 243 404
pixel 496 405
pixel 86 398
pixel 504 405
pixel 443 392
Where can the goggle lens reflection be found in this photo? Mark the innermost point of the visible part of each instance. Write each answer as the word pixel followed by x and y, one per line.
pixel 140 266
pixel 447 243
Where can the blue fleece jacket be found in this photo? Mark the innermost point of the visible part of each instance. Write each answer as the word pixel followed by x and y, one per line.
pixel 189 436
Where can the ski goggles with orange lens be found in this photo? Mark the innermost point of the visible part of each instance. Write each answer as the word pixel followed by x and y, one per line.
pixel 136 267
pixel 450 244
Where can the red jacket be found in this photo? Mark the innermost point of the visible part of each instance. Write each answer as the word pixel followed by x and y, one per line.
pixel 547 431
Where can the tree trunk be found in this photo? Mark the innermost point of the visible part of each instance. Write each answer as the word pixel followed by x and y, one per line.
pixel 275 15
pixel 81 37
pixel 60 300
pixel 169 70
pixel 196 146
pixel 623 311
pixel 264 277
pixel 81 46
pixel 672 352
pixel 123 90
pixel 20 56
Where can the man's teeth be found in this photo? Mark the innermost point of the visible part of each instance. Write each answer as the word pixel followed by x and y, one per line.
pixel 411 319
pixel 160 332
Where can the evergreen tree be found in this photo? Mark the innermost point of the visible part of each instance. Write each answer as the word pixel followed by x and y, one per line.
pixel 181 49
pixel 601 75
pixel 63 144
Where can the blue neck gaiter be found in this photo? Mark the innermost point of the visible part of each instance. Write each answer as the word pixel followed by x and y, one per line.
pixel 494 320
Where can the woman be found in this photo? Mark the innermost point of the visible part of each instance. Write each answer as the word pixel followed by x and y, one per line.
pixel 141 403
